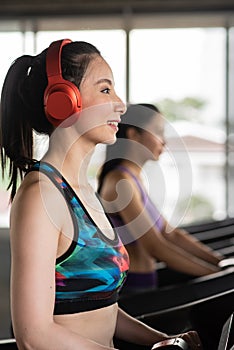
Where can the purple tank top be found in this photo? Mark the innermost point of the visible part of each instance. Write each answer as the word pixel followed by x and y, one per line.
pixel 148 204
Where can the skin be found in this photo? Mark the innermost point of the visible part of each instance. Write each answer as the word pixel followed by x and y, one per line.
pixel 120 194
pixel 41 230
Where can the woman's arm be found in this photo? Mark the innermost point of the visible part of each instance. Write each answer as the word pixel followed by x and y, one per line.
pixel 134 331
pixel 130 329
pixel 189 243
pixel 174 256
pixel 34 240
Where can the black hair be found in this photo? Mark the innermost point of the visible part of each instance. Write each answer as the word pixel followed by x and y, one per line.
pixel 22 106
pixel 137 116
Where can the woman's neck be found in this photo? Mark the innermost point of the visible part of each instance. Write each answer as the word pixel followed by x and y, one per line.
pixel 71 160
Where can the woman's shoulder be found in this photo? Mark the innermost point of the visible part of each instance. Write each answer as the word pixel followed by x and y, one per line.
pixel 35 195
pixel 118 174
pixel 28 188
pixel 39 208
pixel 119 184
pixel 32 185
pixel 115 177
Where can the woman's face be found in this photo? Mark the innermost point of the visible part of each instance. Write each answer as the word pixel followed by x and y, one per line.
pixel 152 138
pixel 101 107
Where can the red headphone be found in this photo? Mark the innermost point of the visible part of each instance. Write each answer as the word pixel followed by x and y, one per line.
pixel 62 100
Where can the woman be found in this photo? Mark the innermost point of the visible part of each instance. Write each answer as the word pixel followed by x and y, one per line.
pixel 147 235
pixel 68 264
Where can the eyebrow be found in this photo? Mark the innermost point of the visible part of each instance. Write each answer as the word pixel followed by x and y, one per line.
pixel 104 80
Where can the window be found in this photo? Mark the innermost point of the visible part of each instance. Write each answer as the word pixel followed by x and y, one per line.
pixel 183 72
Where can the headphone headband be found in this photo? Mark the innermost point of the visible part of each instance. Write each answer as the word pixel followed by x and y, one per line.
pixel 53 58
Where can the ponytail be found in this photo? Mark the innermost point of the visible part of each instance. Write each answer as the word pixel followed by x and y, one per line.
pixel 16 126
pixel 15 133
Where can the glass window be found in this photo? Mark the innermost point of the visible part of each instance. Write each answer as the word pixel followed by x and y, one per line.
pixel 183 72
pixel 230 129
pixel 11 48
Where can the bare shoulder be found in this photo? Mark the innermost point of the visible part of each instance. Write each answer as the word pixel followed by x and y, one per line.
pixel 32 193
pixel 116 181
pixel 38 204
pixel 119 190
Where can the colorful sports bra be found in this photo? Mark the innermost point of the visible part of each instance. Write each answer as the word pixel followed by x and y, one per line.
pixel 90 274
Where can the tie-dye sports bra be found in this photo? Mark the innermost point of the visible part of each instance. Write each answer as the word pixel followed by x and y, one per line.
pixel 90 274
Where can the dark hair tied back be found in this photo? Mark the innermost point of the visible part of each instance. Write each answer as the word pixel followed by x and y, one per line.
pixel 22 105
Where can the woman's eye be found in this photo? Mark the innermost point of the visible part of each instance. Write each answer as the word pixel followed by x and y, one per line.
pixel 106 91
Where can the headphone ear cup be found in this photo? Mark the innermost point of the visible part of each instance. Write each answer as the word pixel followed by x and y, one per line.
pixel 62 102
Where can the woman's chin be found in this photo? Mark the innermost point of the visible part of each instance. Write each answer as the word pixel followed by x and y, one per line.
pixel 109 141
pixel 155 158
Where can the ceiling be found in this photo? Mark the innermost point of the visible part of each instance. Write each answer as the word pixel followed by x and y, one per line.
pixel 40 8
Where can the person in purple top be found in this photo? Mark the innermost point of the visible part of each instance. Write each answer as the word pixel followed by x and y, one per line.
pixel 145 232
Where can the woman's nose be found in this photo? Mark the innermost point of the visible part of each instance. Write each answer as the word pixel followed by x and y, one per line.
pixel 162 140
pixel 120 106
